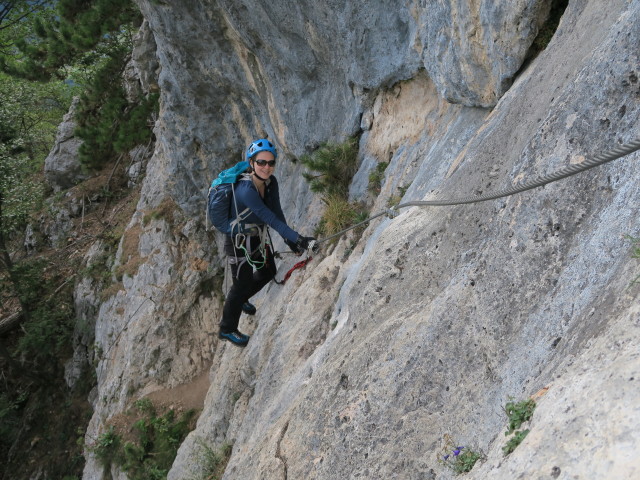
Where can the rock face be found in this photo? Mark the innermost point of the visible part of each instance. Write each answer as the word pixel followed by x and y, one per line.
pixel 62 169
pixel 363 364
pixel 473 49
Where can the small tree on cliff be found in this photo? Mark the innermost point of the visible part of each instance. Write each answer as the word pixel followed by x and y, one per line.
pixel 88 42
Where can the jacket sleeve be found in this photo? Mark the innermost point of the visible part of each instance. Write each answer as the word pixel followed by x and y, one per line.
pixel 274 199
pixel 251 198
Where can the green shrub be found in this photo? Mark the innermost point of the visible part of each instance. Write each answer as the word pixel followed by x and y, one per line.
pixel 47 332
pixel 107 123
pixel 151 453
pixel 106 447
pixel 548 29
pixel 635 253
pixel 9 420
pixel 334 166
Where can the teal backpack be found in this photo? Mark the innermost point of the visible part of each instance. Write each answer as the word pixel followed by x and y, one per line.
pixel 221 196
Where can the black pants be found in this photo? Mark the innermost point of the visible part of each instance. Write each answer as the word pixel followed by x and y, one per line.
pixel 246 283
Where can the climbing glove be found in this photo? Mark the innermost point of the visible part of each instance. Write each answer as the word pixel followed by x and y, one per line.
pixel 294 247
pixel 304 243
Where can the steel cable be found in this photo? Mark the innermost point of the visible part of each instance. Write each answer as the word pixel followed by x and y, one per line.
pixel 596 161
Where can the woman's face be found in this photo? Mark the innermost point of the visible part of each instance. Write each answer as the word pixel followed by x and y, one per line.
pixel 264 164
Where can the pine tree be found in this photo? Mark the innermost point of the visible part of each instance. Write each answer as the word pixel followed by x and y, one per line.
pixel 63 34
pixel 94 34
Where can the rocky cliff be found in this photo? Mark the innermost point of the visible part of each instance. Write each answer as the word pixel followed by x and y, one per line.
pixel 363 364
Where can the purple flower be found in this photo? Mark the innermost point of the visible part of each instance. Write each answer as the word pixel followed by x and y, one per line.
pixel 446 456
pixel 456 452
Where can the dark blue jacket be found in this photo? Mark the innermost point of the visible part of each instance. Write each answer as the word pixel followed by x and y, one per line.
pixel 265 211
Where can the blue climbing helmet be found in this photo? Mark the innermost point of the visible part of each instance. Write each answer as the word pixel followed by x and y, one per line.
pixel 261 145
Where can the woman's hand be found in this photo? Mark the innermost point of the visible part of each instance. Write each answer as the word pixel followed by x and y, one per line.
pixel 306 243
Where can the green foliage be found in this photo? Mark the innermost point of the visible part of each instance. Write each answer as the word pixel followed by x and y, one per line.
pixel 335 165
pixel 464 462
pixel 214 462
pixel 145 405
pixel 31 112
pixel 458 458
pixel 86 43
pixel 518 413
pixel 107 123
pixel 9 419
pixel 134 128
pixel 151 453
pixel 106 447
pixel 62 33
pixel 394 200
pixel 375 177
pixel 635 252
pixel 514 441
pixel 99 270
pixel 19 195
pixel 47 332
pixel 29 115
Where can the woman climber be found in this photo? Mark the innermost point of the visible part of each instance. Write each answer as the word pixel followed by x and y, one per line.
pixel 255 206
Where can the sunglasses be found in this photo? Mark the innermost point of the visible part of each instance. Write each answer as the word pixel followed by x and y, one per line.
pixel 262 163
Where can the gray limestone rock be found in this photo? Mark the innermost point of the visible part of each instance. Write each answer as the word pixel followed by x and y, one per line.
pixel 363 363
pixel 30 241
pixel 474 49
pixel 144 59
pixel 86 300
pixel 62 169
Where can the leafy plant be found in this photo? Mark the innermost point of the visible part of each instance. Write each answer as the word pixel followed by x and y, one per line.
pixel 62 32
pixel 106 447
pixel 514 441
pixel 460 459
pixel 518 413
pixel 87 44
pixel 150 454
pixel 335 165
pixel 47 331
pixel 9 419
pixel 548 29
